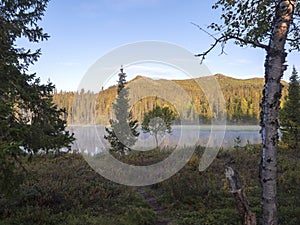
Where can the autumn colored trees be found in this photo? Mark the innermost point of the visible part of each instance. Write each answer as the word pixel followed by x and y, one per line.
pixel 242 103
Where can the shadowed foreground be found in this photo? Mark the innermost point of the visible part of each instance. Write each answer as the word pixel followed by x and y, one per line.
pixel 65 190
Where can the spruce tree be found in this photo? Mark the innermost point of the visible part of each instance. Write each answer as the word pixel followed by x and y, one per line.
pixel 29 121
pixel 289 115
pixel 122 133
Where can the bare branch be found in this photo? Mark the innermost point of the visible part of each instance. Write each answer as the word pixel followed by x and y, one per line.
pixel 205 31
pixel 203 55
pixel 223 39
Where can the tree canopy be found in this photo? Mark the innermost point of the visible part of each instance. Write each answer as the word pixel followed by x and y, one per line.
pixel 158 121
pixel 29 121
pixel 290 113
pixel 251 23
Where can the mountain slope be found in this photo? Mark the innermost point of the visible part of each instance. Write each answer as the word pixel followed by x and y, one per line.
pixel 242 98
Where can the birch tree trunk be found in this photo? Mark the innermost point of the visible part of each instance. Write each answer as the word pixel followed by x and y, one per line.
pixel 274 68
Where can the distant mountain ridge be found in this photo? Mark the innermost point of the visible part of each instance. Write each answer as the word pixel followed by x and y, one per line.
pixel 242 98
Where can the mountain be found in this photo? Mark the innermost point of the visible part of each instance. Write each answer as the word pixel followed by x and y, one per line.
pixel 194 99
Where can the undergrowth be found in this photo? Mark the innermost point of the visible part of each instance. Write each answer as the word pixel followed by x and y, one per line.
pixel 65 190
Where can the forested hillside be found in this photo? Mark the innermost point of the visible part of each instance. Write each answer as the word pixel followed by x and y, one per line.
pixel 242 97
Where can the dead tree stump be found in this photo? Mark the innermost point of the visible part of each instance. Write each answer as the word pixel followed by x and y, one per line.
pixel 249 218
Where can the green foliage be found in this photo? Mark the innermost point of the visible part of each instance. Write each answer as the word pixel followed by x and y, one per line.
pixel 269 25
pixel 250 22
pixel 139 216
pixel 238 94
pixel 204 198
pixel 122 133
pixel 158 121
pixel 289 115
pixel 28 116
pixel 65 190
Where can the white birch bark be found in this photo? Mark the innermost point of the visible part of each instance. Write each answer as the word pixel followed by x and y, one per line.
pixel 274 68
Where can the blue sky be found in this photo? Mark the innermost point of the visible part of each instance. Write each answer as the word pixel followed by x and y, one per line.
pixel 83 31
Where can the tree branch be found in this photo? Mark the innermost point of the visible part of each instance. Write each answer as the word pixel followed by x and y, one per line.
pixel 223 39
pixel 248 42
pixel 217 41
pixel 200 28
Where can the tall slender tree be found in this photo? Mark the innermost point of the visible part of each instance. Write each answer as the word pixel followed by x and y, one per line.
pixel 29 121
pixel 269 25
pixel 289 115
pixel 122 133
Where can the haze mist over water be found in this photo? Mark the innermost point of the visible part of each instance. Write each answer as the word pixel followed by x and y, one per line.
pixel 90 139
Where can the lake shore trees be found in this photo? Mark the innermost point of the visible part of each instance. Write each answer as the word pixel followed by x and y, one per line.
pixel 29 121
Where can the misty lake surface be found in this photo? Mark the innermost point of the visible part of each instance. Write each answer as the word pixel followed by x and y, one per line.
pixel 90 139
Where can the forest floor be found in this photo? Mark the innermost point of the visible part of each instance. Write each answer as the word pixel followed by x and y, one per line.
pixel 64 189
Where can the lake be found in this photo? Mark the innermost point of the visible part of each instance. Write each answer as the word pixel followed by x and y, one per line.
pixel 90 139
